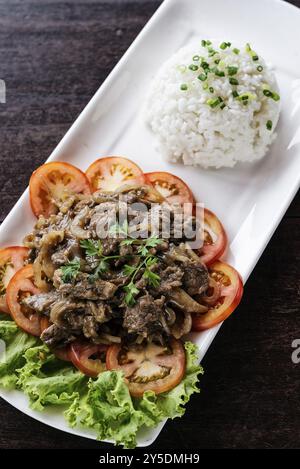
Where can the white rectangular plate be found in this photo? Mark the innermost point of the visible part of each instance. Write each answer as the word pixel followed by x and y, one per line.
pixel 249 199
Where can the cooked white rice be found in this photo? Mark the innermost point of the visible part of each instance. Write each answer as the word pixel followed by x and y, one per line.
pixel 194 132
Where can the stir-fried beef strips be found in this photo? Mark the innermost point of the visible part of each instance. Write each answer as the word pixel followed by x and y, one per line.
pixel 120 286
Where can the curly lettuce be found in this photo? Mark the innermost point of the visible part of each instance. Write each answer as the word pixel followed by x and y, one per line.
pixel 103 405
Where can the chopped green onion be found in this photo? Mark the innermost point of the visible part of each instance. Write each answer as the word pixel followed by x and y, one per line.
pixel 235 94
pixel 217 61
pixel 208 43
pixel 193 67
pixel 182 68
pixel 245 102
pixel 248 47
pixel 246 97
pixel 211 89
pixel 232 70
pixel 203 43
pixel 202 77
pixel 269 125
pixel 233 81
pixel 212 53
pixel 204 65
pixel 222 106
pixel 236 51
pixel 271 94
pixel 260 68
pixel 196 58
pixel 217 72
pixel 205 86
pixel 214 102
pixel 184 87
pixel 223 46
pixel 255 57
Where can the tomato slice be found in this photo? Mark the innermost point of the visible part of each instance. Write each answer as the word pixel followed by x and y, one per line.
pixel 229 285
pixel 20 286
pixel 148 367
pixel 11 260
pixel 112 172
pixel 215 239
pixel 171 187
pixel 52 183
pixel 87 357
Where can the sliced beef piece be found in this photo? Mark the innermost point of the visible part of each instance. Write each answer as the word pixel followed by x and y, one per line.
pixel 55 336
pixel 42 302
pixel 145 317
pixel 100 311
pixel 90 327
pixel 170 278
pixel 195 278
pixel 62 311
pixel 84 289
pixel 67 252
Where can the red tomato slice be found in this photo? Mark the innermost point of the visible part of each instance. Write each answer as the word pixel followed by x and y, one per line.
pixel 20 286
pixel 229 286
pixel 53 182
pixel 112 172
pixel 171 187
pixel 148 367
pixel 215 239
pixel 87 357
pixel 11 260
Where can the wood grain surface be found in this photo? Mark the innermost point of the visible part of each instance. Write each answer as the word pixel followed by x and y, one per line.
pixel 53 57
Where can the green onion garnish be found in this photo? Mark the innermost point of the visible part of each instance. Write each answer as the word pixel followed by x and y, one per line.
pixel 203 43
pixel 205 86
pixel 196 58
pixel 222 106
pixel 269 125
pixel 223 46
pixel 202 77
pixel 271 94
pixel 236 51
pixel 214 102
pixel 260 68
pixel 233 81
pixel 248 47
pixel 217 72
pixel 245 102
pixel 255 57
pixel 183 87
pixel 208 43
pixel 232 70
pixel 193 67
pixel 204 65
pixel 211 89
pixel 217 61
pixel 235 94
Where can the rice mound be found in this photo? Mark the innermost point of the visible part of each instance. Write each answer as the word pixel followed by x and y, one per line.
pixel 191 131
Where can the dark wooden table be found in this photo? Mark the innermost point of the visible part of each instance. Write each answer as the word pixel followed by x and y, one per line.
pixel 53 57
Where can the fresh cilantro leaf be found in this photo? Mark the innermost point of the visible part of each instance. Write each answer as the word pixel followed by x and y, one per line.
pixel 92 247
pixel 143 250
pixel 152 277
pixel 153 242
pixel 129 270
pixel 70 270
pixel 127 242
pixel 131 292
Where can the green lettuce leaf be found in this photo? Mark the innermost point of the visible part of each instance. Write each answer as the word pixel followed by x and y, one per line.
pixel 109 409
pixel 14 344
pixel 47 380
pixel 103 404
